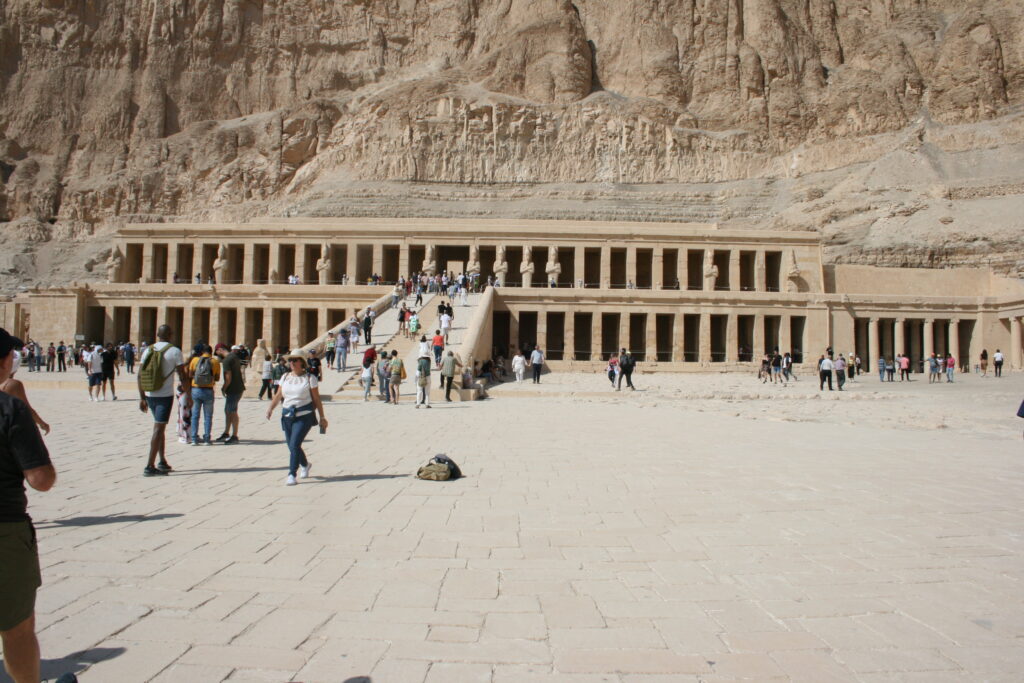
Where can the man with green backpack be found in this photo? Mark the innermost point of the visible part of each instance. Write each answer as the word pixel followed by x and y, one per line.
pixel 159 363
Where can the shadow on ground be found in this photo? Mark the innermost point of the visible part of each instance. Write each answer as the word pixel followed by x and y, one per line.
pixel 109 519
pixel 76 663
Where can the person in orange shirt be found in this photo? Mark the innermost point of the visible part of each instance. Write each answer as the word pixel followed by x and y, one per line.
pixel 438 343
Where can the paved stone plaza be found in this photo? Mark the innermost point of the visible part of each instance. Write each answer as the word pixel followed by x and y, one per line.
pixel 705 528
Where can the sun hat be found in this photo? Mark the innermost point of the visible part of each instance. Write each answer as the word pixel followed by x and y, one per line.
pixel 8 342
pixel 300 354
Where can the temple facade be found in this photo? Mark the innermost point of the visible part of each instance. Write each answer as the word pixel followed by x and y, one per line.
pixel 679 296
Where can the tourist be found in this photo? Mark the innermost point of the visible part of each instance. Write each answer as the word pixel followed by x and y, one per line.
pixel 157 366
pixel 51 357
pixel 383 377
pixel 62 357
pixel 904 368
pixel 537 361
pixel 184 413
pixel 329 347
pixel 983 360
pixel 519 366
pixel 369 356
pixel 890 369
pixel 419 295
pixel 438 344
pixel 204 372
pixel 626 365
pixel 129 358
pixel 93 362
pixel 15 388
pixel 366 381
pixel 109 366
pixel 851 368
pixel 199 279
pixel 299 397
pixel 839 365
pixel 353 334
pixel 266 370
pixel 765 370
pixel 368 325
pixel 997 362
pixel 933 369
pixel 280 367
pixel 423 379
pixel 449 367
pixel 776 367
pixel 23 457
pixel 787 367
pixel 232 389
pixel 881 369
pixel 950 368
pixel 414 325
pixel 341 351
pixel 857 365
pixel 402 318
pixel 313 366
pixel 396 369
pixel 825 372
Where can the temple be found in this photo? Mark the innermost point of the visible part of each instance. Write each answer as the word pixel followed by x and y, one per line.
pixel 679 295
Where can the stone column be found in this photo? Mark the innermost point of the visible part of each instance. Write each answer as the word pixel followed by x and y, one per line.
pixel 295 339
pixel 761 274
pixel 240 314
pixel 378 260
pixel 248 264
pixel 268 327
pixel 704 339
pixel 624 332
pixel 1016 353
pixel 542 331
pixel 658 268
pixel 147 262
pixel 734 270
pixel 579 265
pixel 595 336
pixel 108 325
pixel 172 264
pixel 513 332
pixel 606 267
pixel 873 352
pixel 631 265
pixel 135 327
pixel 732 339
pixel 785 334
pixel 215 331
pixel 352 260
pixel 300 265
pixel 681 268
pixel 899 345
pixel 929 338
pixel 954 342
pixel 651 338
pixel 273 263
pixel 403 261
pixel 678 338
pixel 758 349
pixel 321 321
pixel 569 336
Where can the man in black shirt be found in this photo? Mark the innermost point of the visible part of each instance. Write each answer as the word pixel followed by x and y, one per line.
pixel 109 365
pixel 23 457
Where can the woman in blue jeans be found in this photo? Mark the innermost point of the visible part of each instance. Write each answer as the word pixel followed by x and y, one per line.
pixel 299 396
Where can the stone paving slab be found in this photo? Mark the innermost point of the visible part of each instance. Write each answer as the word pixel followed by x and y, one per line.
pixel 650 536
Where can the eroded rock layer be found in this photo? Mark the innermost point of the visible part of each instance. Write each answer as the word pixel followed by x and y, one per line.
pixel 893 126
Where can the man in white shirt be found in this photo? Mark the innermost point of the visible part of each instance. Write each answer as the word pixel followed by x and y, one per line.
pixel 92 360
pixel 997 360
pixel 446 325
pixel 825 373
pixel 159 401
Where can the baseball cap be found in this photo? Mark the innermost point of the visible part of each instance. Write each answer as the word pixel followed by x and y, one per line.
pixel 220 346
pixel 8 343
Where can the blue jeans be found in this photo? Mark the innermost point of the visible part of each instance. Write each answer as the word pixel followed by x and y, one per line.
pixel 342 355
pixel 384 384
pixel 949 374
pixel 202 401
pixel 295 431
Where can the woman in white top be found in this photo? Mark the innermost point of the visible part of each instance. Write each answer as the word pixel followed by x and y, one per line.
pixel 300 397
pixel 519 365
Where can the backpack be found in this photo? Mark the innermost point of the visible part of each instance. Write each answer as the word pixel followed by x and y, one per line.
pixel 151 374
pixel 627 363
pixel 204 371
pixel 440 468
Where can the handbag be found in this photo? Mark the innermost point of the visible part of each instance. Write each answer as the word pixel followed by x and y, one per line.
pixel 404 375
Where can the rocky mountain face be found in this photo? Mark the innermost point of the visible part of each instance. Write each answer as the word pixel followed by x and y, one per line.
pixel 894 127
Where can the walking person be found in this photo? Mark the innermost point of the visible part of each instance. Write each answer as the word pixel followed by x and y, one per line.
pixel 128 354
pixel 366 382
pixel 446 324
pixel 109 367
pixel 341 351
pixel 51 357
pixel 950 368
pixel 776 364
pixel 15 388
pixel 204 371
pixel 839 365
pixel 612 369
pixel 93 363
pixel 329 347
pixel 438 344
pixel 890 369
pixel 933 369
pixel 904 368
pixel 997 362
pixel 825 373
pixel 368 326
pixel 983 361
pixel 266 377
pixel 62 357
pixel 423 380
pixel 537 361
pixel 449 366
pixel 158 365
pixel 299 396
pixel 787 367
pixel 232 390
pixel 396 368
pixel 353 334
pixel 626 365
pixel 881 369
pixel 519 365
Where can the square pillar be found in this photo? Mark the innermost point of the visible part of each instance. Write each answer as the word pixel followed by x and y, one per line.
pixel 513 332
pixel 248 264
pixel 378 260
pixel 273 276
pixel 267 333
pixel 658 268
pixel 542 331
pixel 873 351
pixel 239 337
pixel 954 343
pixel 569 336
pixel 760 272
pixel 215 331
pixel 578 266
pixel 295 329
pixel 681 268
pixel 651 338
pixel 595 336
pixel 300 265
pixel 734 270
pixel 704 339
pixel 1016 353
pixel 172 265
pixel 929 338
pixel 624 331
pixel 351 261
pixel 678 338
pixel 134 328
pixel 631 266
pixel 606 267
pixel 899 342
pixel 321 321
pixel 183 336
pixel 147 262
pixel 758 349
pixel 108 325
pixel 785 334
pixel 403 261
pixel 732 339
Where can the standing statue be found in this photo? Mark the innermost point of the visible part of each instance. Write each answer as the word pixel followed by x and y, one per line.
pixel 430 262
pixel 473 266
pixel 792 274
pixel 554 268
pixel 500 265
pixel 323 264
pixel 272 278
pixel 114 264
pixel 527 267
pixel 220 265
pixel 710 271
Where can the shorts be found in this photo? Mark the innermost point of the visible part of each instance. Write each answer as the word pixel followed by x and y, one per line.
pixel 396 379
pixel 19 573
pixel 95 379
pixel 160 407
pixel 108 374
pixel 776 370
pixel 231 402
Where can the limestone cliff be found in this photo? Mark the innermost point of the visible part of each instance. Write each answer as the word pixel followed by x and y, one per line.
pixel 893 126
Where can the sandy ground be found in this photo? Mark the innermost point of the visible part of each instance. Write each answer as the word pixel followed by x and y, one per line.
pixel 705 527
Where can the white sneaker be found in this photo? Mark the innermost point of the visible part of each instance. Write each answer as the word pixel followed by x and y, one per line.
pixel 182 439
pixel 290 481
pixel 103 398
pixel 304 471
